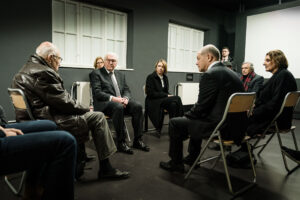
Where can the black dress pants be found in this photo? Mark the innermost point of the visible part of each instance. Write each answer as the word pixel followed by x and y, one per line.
pixel 178 131
pixel 116 111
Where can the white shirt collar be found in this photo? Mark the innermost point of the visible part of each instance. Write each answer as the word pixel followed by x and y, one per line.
pixel 109 71
pixel 212 64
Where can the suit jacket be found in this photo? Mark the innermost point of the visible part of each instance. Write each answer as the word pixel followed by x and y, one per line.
pixel 154 89
pixel 256 83
pixel 270 99
pixel 102 87
pixel 216 86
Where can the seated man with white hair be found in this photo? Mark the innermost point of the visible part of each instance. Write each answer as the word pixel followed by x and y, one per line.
pixel 112 96
pixel 43 87
pixel 252 82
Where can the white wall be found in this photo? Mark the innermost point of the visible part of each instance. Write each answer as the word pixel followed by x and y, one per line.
pixel 274 30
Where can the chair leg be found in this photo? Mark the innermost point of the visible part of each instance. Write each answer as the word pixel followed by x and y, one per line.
pixel 264 145
pixel 198 158
pixel 225 166
pixel 127 132
pixel 13 189
pixel 295 141
pixel 146 120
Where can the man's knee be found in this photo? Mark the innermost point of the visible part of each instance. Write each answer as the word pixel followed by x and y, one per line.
pixel 66 137
pixel 118 108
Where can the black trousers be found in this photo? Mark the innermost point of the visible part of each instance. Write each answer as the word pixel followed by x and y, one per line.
pixel 178 131
pixel 116 111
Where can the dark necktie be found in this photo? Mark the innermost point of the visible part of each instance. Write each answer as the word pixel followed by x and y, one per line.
pixel 115 84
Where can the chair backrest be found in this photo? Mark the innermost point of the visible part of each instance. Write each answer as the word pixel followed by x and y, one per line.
pixel 290 100
pixel 19 101
pixel 83 93
pixel 237 103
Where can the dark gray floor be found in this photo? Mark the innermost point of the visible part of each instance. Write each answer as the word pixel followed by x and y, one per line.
pixel 149 182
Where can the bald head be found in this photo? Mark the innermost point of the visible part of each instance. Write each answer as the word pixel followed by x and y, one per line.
pixel 46 49
pixel 206 56
pixel 211 49
pixel 50 53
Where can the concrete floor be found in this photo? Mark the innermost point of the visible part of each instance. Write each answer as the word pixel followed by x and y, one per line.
pixel 149 182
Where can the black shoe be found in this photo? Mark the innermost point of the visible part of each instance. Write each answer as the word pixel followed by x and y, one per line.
pixel 293 153
pixel 123 147
pixel 139 144
pixel 189 160
pixel 172 167
pixel 113 174
pixel 214 146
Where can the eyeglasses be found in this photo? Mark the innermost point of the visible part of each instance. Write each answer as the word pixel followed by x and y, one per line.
pixel 59 58
pixel 100 62
pixel 111 60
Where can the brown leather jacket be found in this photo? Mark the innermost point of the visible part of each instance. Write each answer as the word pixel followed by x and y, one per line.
pixel 48 99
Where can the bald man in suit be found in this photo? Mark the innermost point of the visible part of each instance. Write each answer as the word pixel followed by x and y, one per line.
pixel 217 84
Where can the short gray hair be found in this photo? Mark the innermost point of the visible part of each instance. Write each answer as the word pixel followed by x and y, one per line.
pixel 112 54
pixel 250 65
pixel 212 49
pixel 45 49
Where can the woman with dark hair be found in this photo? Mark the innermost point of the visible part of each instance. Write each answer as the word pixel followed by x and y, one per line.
pixel 272 94
pixel 158 96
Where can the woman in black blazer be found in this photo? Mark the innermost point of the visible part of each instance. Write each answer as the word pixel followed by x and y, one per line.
pixel 158 96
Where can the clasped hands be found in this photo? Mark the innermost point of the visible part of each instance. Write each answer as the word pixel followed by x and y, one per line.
pixel 121 100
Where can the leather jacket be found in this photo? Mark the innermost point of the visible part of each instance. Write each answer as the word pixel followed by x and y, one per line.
pixel 48 99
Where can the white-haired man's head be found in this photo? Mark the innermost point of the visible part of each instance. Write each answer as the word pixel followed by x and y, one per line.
pixel 110 61
pixel 50 53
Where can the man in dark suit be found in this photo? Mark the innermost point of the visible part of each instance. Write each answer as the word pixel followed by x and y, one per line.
pixel 216 85
pixel 252 82
pixel 112 96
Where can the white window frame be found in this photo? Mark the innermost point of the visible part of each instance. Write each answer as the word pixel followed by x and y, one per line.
pixel 114 42
pixel 183 45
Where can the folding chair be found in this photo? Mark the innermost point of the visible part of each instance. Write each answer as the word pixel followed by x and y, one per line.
pixel 237 103
pixel 291 99
pixel 19 102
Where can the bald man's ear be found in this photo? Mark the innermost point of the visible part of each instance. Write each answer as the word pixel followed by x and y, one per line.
pixel 210 57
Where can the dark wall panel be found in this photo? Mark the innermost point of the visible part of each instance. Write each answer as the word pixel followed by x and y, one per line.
pixel 25 24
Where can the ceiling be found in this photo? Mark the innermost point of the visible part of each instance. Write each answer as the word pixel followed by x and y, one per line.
pixel 241 5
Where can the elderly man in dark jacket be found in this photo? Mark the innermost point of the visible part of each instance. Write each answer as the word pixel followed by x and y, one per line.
pixel 49 100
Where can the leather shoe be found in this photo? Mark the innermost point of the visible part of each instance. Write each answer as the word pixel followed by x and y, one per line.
pixel 172 167
pixel 189 160
pixel 123 147
pixel 113 174
pixel 139 144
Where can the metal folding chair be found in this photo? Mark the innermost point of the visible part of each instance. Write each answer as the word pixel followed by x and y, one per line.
pixel 291 99
pixel 19 102
pixel 237 103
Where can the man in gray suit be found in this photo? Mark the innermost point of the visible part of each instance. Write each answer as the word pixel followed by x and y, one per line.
pixel 216 85
pixel 112 96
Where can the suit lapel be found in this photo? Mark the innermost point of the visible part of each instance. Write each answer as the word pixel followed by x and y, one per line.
pixel 108 79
